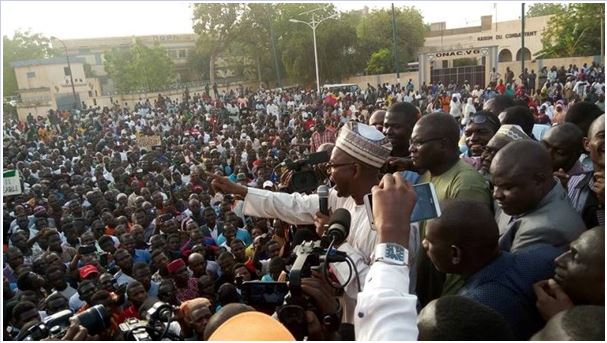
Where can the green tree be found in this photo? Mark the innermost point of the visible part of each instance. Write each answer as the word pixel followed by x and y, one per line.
pixel 217 26
pixel 140 68
pixel 375 33
pixel 23 46
pixel 542 9
pixel 381 62
pixel 198 65
pixel 574 32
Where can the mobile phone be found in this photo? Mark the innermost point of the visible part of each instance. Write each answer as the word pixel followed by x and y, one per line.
pixel 260 293
pixel 426 206
pixel 103 259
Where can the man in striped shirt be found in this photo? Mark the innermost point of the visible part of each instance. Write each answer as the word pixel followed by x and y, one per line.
pixel 587 191
pixel 321 135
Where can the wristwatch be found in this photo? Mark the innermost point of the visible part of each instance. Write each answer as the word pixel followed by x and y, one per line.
pixel 391 253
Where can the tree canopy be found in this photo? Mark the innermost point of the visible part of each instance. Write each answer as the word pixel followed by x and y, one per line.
pixel 24 45
pixel 347 43
pixel 139 68
pixel 543 8
pixel 576 31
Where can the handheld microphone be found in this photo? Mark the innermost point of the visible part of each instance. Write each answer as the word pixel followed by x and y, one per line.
pixel 323 199
pixel 339 226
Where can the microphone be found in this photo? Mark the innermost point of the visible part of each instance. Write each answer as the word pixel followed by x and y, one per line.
pixel 339 226
pixel 323 199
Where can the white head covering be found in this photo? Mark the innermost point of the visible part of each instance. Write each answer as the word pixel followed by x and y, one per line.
pixel 365 143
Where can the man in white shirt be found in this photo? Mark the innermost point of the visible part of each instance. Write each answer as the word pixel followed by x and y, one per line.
pixel 359 153
pixel 385 309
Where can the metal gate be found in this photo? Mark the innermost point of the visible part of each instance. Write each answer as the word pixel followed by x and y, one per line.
pixel 66 101
pixel 474 74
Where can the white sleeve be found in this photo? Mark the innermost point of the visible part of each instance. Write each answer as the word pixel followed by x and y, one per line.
pixel 385 310
pixel 342 271
pixel 293 208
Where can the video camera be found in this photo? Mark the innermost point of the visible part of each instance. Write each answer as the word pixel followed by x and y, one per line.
pixel 304 178
pixel 95 320
pixel 307 256
pixel 154 325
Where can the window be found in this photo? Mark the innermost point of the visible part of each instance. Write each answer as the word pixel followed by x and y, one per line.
pixel 31 74
pixel 445 64
pixel 66 71
pixel 182 53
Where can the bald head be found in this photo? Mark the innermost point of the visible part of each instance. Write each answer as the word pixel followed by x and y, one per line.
pixel 228 311
pixel 523 156
pixel 521 173
pixel 458 242
pixel 195 258
pixel 460 228
pixel 442 124
pixel 377 119
pixel 565 143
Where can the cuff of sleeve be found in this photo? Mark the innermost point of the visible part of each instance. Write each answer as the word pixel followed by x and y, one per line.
pixel 388 276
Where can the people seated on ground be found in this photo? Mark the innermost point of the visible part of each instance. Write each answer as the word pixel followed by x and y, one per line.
pixel 533 206
pixel 466 245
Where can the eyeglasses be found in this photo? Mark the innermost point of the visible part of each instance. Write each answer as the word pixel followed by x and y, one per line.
pixel 330 166
pixel 418 144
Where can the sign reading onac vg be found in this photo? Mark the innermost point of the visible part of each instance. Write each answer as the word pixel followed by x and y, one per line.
pixel 458 53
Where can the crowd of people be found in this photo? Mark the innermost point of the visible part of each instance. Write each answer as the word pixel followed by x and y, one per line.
pixel 194 220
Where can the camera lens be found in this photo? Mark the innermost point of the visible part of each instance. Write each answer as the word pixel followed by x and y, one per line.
pixel 95 319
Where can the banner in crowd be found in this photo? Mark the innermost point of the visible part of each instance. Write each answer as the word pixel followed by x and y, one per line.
pixel 148 142
pixel 12 183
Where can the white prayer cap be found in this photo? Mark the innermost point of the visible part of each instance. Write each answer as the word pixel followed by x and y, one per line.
pixel 365 143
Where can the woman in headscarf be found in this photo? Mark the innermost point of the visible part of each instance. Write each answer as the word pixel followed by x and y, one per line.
pixel 468 110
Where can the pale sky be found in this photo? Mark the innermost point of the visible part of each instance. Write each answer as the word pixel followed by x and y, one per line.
pixel 89 19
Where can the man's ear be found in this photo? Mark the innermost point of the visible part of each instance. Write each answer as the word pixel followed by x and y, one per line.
pixel 586 143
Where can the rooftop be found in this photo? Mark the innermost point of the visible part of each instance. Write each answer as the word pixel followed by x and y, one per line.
pixel 46 61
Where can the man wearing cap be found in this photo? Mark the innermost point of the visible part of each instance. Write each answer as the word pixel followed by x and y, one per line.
pixel 360 151
pixel 187 287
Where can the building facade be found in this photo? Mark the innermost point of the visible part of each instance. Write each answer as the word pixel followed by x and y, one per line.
pixel 470 53
pixel 45 84
pixel 93 50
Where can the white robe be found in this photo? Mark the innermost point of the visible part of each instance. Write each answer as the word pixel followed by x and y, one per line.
pixel 300 210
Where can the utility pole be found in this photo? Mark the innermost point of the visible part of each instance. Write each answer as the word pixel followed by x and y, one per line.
pixel 313 25
pixel 395 45
pixel 75 103
pixel 274 47
pixel 522 37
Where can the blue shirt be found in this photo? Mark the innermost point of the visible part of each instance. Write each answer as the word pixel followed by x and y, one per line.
pixel 142 256
pixel 241 234
pixel 410 176
pixel 506 285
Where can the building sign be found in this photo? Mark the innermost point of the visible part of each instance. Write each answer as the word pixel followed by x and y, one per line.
pixel 507 35
pixel 165 38
pixel 459 53
pixel 12 183
pixel 148 142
